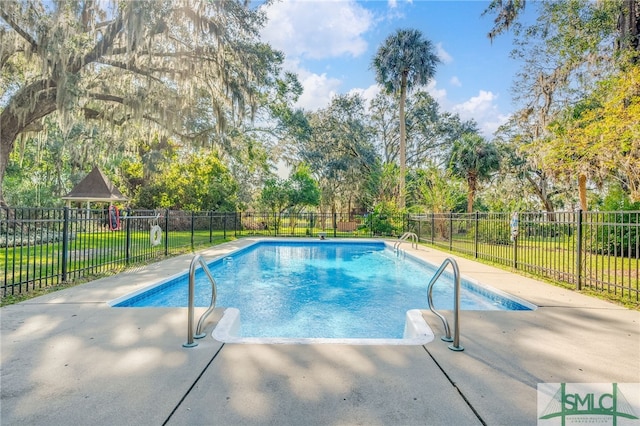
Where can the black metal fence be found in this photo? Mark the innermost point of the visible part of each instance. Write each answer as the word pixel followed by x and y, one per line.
pixel 43 247
pixel 595 250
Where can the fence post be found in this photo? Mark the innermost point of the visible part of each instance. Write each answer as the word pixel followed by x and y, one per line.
pixel 127 244
pixel 514 227
pixel 193 220
pixel 579 251
pixel 450 231
pixel 335 224
pixel 210 226
pixel 235 223
pixel 65 242
pixel 224 226
pixel 166 232
pixel 433 228
pixel 6 251
pixel 476 234
pixel 515 252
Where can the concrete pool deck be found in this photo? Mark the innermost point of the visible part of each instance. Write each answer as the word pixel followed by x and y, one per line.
pixel 69 358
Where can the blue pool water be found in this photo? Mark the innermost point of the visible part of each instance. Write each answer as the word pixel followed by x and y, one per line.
pixel 321 289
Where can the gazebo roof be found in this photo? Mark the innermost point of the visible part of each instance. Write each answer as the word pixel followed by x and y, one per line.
pixel 95 187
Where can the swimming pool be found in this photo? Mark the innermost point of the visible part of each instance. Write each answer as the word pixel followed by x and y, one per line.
pixel 313 290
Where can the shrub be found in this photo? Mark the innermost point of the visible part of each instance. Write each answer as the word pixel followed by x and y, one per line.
pixel 385 220
pixel 494 232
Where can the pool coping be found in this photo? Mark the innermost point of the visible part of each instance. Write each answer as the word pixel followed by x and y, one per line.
pixel 472 281
pixel 416 330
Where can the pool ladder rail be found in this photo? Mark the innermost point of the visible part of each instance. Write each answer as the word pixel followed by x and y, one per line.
pixel 406 236
pixel 455 346
pixel 198 259
pixel 192 279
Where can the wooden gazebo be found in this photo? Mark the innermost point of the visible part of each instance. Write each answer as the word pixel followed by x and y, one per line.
pixel 95 187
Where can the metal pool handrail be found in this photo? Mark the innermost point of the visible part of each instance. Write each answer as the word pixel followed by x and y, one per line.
pixel 405 236
pixel 192 274
pixel 456 304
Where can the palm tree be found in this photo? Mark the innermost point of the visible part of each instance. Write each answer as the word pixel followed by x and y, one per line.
pixel 403 61
pixel 474 159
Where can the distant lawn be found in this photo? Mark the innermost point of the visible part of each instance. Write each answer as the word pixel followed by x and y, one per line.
pixel 615 278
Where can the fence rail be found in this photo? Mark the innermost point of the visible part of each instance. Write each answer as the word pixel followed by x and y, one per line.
pixel 589 250
pixel 595 250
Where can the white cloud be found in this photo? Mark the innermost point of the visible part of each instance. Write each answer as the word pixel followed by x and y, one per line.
pixel 318 91
pixel 367 94
pixel 393 4
pixel 455 81
pixel 477 104
pixel 484 110
pixel 444 56
pixel 439 95
pixel 318 29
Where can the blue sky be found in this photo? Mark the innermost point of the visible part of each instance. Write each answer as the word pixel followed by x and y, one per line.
pixel 330 45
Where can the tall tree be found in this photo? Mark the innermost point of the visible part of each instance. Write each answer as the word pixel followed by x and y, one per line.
pixel 304 189
pixel 338 149
pixel 404 60
pixel 600 136
pixel 474 159
pixel 429 131
pixel 185 66
pixel 524 165
pixel 627 11
pixel 563 54
pixel 294 194
pixel 216 189
pixel 276 194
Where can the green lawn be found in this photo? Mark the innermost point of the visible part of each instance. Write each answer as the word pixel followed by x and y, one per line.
pixel 555 259
pixel 89 253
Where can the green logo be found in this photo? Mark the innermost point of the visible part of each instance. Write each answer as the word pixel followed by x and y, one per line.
pixel 586 403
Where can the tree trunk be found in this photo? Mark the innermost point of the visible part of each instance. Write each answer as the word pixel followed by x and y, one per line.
pixel 582 191
pixel 629 26
pixel 403 140
pixel 541 191
pixel 471 194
